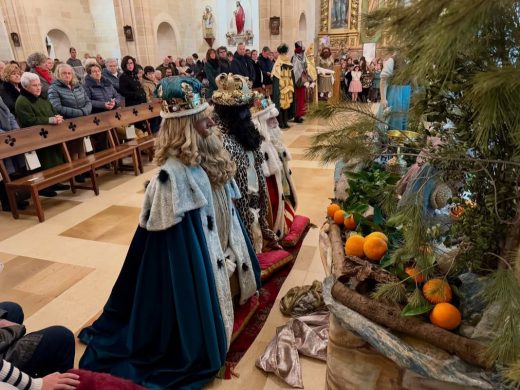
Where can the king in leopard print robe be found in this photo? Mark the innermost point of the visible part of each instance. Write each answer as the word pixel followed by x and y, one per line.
pixel 248 201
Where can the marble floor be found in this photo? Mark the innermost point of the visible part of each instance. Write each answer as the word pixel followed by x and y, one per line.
pixel 62 271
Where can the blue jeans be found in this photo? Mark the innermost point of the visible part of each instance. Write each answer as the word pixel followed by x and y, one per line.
pixel 55 351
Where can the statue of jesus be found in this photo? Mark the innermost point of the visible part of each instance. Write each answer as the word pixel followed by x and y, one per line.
pixel 240 18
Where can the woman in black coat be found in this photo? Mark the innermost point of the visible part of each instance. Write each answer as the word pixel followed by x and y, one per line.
pixel 10 87
pixel 129 86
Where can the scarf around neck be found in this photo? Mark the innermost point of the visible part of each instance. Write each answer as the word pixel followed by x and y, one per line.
pixel 44 73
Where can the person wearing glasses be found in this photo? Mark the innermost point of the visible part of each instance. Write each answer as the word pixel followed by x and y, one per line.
pixel 129 85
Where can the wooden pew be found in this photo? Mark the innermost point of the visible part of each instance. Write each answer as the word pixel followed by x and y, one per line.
pixel 25 140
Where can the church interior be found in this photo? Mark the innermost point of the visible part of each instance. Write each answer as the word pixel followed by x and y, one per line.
pixel 265 194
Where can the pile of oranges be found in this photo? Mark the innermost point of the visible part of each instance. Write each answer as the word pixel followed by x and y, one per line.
pixel 444 314
pixel 374 247
pixel 438 292
pixel 340 216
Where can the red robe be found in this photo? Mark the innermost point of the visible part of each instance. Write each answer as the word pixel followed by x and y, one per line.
pixel 240 19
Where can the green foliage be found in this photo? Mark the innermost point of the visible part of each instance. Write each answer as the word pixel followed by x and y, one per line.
pixel 504 291
pixel 392 293
pixel 474 83
pixel 464 55
pixel 417 305
pixel 371 186
pixel 349 136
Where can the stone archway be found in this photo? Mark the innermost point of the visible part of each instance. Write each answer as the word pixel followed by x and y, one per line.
pixel 302 27
pixel 58 44
pixel 166 42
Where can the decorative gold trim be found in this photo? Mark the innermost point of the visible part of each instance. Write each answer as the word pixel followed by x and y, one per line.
pixel 354 15
pixel 324 15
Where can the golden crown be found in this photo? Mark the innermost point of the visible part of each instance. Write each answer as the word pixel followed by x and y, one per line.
pixel 233 90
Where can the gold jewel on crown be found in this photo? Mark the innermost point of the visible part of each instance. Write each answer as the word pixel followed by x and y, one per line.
pixel 232 90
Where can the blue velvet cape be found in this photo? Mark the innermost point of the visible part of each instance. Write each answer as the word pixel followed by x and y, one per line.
pixel 161 326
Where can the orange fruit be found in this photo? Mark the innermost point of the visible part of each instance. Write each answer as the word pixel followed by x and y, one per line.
pixel 339 217
pixel 375 248
pixel 332 208
pixel 354 246
pixel 350 223
pixel 457 211
pixel 445 316
pixel 381 235
pixel 437 291
pixel 416 275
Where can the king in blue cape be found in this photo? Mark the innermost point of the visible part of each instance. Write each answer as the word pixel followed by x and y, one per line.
pixel 168 321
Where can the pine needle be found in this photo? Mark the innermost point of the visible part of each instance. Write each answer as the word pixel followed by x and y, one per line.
pixel 504 291
pixel 416 299
pixel 392 293
pixel 511 375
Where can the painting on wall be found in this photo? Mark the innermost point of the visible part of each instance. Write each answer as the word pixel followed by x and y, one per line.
pixel 240 25
pixel 129 34
pixel 16 39
pixel 339 12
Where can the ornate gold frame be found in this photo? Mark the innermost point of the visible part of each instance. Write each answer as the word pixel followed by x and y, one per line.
pixel 343 38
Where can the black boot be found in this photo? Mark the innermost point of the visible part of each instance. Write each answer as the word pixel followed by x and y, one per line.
pixel 285 116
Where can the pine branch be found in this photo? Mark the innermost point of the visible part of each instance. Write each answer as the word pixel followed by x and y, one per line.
pixel 511 375
pixel 392 293
pixel 504 291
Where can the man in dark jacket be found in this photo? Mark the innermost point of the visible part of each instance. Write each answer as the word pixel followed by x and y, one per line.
pixel 241 64
pixel 167 64
pixel 266 65
pixel 223 62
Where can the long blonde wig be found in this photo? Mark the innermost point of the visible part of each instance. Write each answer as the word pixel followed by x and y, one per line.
pixel 178 138
pixel 215 160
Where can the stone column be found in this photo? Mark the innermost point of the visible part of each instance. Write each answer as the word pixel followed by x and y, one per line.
pixel 136 13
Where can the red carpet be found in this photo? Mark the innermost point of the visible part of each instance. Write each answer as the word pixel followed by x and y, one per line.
pixel 267 297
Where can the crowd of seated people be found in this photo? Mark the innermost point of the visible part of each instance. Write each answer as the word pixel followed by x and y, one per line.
pixel 48 91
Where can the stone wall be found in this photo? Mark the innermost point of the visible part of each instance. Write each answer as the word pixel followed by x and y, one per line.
pixel 298 22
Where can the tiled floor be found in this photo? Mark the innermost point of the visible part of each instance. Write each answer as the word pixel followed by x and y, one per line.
pixel 63 270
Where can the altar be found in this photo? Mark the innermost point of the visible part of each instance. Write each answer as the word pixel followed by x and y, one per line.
pixel 341 26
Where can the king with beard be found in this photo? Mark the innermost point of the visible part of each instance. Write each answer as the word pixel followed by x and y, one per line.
pixel 242 140
pixel 169 319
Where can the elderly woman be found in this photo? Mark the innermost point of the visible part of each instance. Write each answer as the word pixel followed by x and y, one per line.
pixel 15 165
pixel 111 73
pixel 129 86
pixel 100 91
pixel 69 99
pixel 37 63
pixel 31 110
pixel 103 96
pixel 10 87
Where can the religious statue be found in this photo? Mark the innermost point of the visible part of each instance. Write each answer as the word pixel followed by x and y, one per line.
pixel 240 18
pixel 339 13
pixel 208 22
